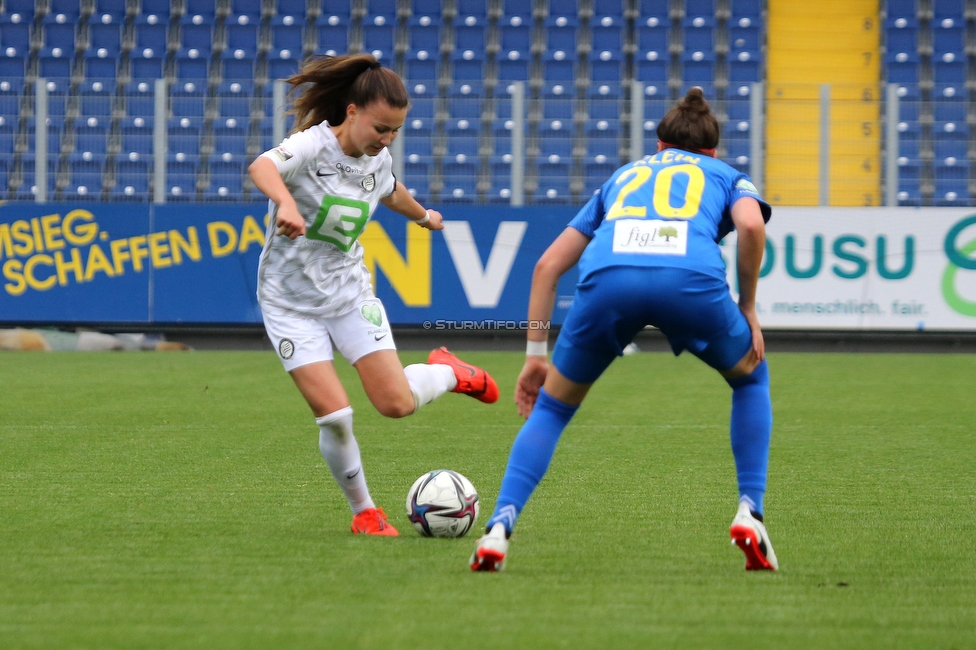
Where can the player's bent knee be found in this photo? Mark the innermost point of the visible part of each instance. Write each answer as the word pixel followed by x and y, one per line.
pixel 396 407
pixel 744 368
pixel 759 374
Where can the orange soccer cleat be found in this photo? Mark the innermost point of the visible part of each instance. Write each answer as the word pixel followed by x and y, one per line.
pixel 373 522
pixel 471 380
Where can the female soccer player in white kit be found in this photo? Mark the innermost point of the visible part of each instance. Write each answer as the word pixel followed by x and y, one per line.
pixel 324 182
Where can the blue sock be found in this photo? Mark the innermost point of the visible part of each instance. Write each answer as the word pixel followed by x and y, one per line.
pixel 751 428
pixel 529 459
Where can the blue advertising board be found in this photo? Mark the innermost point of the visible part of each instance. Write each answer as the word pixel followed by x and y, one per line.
pixel 197 264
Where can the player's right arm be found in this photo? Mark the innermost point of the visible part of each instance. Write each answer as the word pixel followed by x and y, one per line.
pixel 561 256
pixel 266 178
pixel 751 229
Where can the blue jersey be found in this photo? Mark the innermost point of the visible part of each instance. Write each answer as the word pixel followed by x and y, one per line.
pixel 669 209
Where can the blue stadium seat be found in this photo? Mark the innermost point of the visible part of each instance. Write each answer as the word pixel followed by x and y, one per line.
pixel 237 67
pixel 286 38
pixel 460 183
pixel 196 35
pixel 131 180
pixel 386 8
pixel 249 8
pixel 100 67
pixel 235 99
pixel 190 68
pixel 415 179
pixel 744 67
pixel 515 35
pixel 553 183
pixel 421 66
pixel 280 67
pixel 417 148
pixel 181 180
pixel 559 67
pixel 469 69
pixel 469 34
pixel 953 10
pixel 86 179
pixel 516 8
pixel 242 37
pixel 183 137
pixel 230 138
pixel 476 8
pixel 206 8
pixel 14 37
pixel 92 138
pixel 561 33
pixel 605 67
pixel 297 9
pixel 556 137
pixel 150 34
pixel 900 41
pixel 333 34
pixel 7 126
pixel 226 180
pixel 187 99
pixel 160 8
pixel 607 33
pixel 699 14
pixel 652 36
pixel 614 8
pixel 339 8
pixel 23 8
pixel 949 44
pixel 70 9
pixel 946 150
pixel 58 35
pixel 115 9
pixel 558 107
pixel 603 102
pixel 424 34
pixel 105 35
pixel 949 72
pixel 378 36
pixel 55 65
pixel 96 99
pixel 698 72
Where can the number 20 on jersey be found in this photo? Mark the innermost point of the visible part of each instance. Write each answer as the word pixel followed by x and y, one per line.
pixel 638 176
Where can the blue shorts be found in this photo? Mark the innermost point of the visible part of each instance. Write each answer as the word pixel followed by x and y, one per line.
pixel 694 310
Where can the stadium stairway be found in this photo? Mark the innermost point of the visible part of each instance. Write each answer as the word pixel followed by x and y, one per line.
pixel 809 44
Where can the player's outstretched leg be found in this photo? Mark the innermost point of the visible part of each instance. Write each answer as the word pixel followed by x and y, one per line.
pixel 471 380
pixel 490 551
pixel 749 533
pixel 373 522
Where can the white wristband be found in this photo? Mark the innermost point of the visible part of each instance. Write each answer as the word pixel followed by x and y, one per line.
pixel 426 218
pixel 537 348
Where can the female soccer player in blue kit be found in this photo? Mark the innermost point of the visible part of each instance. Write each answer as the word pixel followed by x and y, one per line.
pixel 647 247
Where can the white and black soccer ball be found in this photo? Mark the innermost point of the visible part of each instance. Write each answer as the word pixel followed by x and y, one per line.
pixel 442 503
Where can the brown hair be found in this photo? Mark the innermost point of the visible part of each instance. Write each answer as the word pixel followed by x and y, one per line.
pixel 690 123
pixel 337 81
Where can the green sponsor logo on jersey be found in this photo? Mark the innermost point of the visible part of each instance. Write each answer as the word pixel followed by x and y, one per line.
pixel 339 221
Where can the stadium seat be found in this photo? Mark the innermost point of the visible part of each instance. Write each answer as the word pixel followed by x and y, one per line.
pixel 242 38
pixel 605 67
pixel 949 10
pixel 160 8
pixel 559 67
pixel 237 68
pixel 234 99
pixel 23 8
pixel 249 8
pixel 14 37
pixel 150 35
pixel 230 137
pixel 181 180
pixel 699 14
pixel 333 34
pixel 70 9
pixel 105 38
pixel 226 180
pixel 187 99
pixel 415 177
pixel 460 183
pixel 140 99
pixel 603 101
pixel 205 8
pixel 466 67
pixel 281 67
pixel 378 36
pixel 469 33
pixel 286 41
pixel 131 180
pixel 613 8
pixel 515 35
pixel 417 148
pixel 86 179
pixel 561 33
pixel 183 137
pixel 54 64
pixel 607 33
pixel 297 8
pixel 553 182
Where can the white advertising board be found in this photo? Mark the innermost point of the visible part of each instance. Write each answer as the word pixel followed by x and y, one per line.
pixel 867 268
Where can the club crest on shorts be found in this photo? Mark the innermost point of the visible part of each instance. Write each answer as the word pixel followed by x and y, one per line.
pixel 373 314
pixel 286 348
pixel 369 182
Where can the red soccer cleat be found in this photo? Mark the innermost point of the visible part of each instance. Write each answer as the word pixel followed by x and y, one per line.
pixel 373 522
pixel 471 380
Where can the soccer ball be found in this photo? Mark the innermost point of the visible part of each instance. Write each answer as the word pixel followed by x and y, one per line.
pixel 442 503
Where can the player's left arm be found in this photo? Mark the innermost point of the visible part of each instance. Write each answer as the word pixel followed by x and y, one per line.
pixel 751 229
pixel 401 201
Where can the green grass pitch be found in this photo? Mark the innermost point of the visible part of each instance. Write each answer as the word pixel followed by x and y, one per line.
pixel 179 501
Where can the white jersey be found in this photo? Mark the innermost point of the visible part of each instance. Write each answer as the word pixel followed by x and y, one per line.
pixel 322 274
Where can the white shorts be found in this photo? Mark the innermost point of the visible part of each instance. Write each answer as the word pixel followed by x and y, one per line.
pixel 301 340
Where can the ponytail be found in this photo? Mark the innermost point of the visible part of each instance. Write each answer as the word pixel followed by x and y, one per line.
pixel 690 124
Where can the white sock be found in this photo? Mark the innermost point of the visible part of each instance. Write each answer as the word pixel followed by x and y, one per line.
pixel 429 381
pixel 341 452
